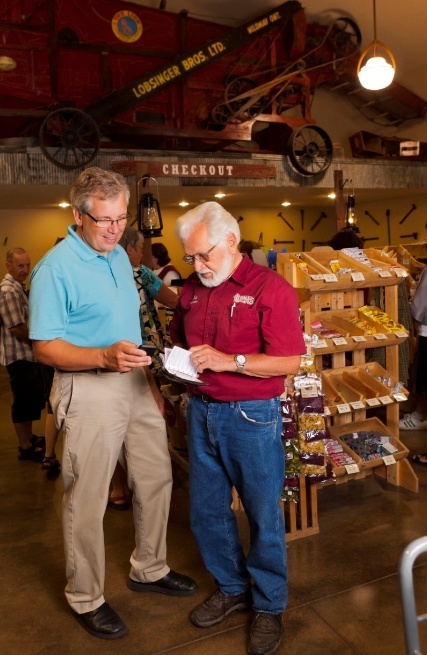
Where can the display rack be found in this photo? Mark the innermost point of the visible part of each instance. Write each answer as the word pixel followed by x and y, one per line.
pixel 336 299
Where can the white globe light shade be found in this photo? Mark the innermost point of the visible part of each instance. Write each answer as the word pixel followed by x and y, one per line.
pixel 376 74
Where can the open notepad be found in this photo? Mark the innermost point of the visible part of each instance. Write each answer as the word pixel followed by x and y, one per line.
pixel 178 364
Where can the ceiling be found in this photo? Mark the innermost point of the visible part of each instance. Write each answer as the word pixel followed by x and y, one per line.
pixel 400 25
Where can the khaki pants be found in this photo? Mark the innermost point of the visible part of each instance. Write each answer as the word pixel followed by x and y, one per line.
pixel 103 415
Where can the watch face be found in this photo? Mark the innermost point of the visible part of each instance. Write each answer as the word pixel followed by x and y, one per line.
pixel 241 359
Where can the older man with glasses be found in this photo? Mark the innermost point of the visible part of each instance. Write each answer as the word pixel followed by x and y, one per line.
pixel 84 321
pixel 240 322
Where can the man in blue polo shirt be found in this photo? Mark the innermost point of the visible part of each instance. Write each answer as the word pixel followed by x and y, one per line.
pixel 84 321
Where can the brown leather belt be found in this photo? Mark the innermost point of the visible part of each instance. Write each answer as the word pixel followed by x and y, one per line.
pixel 208 399
pixel 92 371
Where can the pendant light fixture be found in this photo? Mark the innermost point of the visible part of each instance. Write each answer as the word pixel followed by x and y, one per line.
pixel 376 72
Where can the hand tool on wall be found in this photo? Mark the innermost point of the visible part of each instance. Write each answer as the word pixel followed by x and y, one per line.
pixel 370 239
pixel 414 235
pixel 275 241
pixel 302 219
pixel 284 219
pixel 407 214
pixel 371 217
pixel 316 223
pixel 240 219
pixel 387 213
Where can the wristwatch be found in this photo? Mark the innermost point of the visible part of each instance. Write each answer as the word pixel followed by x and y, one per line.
pixel 240 363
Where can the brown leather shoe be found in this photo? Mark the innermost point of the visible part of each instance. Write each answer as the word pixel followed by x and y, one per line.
pixel 215 608
pixel 266 634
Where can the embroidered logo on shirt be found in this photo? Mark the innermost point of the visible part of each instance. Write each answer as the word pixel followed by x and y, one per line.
pixel 246 300
pixel 194 299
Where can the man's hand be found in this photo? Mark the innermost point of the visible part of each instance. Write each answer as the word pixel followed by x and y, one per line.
pixel 206 357
pixel 124 356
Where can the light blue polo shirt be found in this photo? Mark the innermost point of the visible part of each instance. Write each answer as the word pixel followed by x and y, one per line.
pixel 82 297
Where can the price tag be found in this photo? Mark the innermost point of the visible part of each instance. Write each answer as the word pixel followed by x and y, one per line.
pixel 321 343
pixel 384 273
pixel 400 272
pixel 358 404
pixel 327 411
pixel 343 409
pixel 352 468
pixel 380 337
pixel 400 397
pixel 330 277
pixel 340 341
pixel 385 400
pixel 388 460
pixel 317 276
pixel 373 402
pixel 358 338
pixel 401 335
pixel 357 277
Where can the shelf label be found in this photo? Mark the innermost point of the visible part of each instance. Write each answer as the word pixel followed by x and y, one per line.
pixel 400 397
pixel 373 402
pixel 357 277
pixel 352 468
pixel 358 404
pixel 380 337
pixel 388 460
pixel 327 411
pixel 358 338
pixel 385 400
pixel 320 343
pixel 330 277
pixel 400 272
pixel 317 276
pixel 384 273
pixel 343 408
pixel 401 335
pixel 340 341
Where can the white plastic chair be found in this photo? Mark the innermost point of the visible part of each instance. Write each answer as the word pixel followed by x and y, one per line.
pixel 410 617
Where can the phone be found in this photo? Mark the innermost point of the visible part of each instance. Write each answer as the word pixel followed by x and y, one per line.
pixel 149 348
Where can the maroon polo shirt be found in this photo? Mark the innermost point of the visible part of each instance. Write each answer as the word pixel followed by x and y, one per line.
pixel 254 311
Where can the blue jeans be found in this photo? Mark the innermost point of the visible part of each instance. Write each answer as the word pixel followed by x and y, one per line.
pixel 238 444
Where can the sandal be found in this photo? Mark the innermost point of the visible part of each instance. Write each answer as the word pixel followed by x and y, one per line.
pixel 51 463
pixel 417 459
pixel 32 453
pixel 118 502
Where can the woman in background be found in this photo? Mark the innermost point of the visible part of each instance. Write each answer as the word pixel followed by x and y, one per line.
pixel 162 266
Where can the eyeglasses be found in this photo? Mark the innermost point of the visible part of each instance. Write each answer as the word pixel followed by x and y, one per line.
pixel 108 222
pixel 200 256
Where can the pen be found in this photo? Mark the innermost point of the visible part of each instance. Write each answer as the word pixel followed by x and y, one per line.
pixel 232 309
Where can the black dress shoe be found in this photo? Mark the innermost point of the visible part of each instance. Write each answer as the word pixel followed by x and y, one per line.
pixel 172 584
pixel 103 622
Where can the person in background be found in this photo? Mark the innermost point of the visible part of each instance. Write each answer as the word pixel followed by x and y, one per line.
pixel 240 322
pixel 162 266
pixel 84 321
pixel 345 238
pixel 150 288
pixel 417 420
pixel 247 246
pixel 16 353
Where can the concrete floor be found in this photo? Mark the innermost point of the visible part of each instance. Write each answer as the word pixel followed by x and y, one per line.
pixel 344 595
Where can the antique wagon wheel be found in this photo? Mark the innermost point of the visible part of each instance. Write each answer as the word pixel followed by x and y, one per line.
pixel 345 37
pixel 251 107
pixel 69 138
pixel 310 150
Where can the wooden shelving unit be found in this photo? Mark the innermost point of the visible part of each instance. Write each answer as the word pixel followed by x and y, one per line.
pixel 336 298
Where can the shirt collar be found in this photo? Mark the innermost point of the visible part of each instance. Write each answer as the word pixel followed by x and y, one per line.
pixel 82 250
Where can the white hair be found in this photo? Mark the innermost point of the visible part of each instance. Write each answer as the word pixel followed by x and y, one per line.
pixel 218 222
